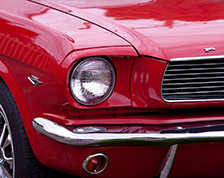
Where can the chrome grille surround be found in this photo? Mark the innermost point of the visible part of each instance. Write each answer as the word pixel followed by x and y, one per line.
pixel 194 79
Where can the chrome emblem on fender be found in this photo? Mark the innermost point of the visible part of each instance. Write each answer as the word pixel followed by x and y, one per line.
pixel 209 49
pixel 34 80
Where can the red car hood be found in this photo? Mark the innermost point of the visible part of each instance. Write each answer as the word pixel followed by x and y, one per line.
pixel 160 28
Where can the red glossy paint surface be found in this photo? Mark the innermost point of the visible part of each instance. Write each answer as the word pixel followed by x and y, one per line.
pixel 145 86
pixel 179 28
pixel 200 160
pixel 138 37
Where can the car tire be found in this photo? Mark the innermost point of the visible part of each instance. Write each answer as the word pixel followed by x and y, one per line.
pixel 16 157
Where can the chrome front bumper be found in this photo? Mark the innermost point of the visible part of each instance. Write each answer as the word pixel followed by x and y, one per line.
pixel 60 133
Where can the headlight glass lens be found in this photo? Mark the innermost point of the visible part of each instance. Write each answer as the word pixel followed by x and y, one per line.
pixel 92 81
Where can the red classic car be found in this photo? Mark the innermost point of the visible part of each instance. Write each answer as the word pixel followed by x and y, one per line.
pixel 121 88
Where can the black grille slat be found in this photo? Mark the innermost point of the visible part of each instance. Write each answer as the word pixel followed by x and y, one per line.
pixel 194 80
pixel 196 74
pixel 195 83
pixel 193 88
pixel 196 92
pixel 197 69
pixel 197 78
pixel 193 65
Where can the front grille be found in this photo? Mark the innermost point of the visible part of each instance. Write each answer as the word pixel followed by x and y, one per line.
pixel 194 80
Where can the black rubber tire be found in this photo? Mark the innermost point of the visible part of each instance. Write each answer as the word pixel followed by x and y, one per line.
pixel 26 164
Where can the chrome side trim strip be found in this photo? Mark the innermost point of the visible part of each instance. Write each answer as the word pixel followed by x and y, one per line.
pixel 63 135
pixel 196 58
pixel 167 163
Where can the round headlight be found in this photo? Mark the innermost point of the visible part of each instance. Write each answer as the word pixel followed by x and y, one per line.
pixel 92 81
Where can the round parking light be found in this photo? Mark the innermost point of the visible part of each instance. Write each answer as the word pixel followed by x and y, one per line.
pixel 96 163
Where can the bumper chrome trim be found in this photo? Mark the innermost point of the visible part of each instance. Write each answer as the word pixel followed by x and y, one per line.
pixel 63 135
pixel 165 166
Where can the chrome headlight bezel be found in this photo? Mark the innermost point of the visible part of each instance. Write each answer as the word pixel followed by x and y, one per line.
pixel 78 75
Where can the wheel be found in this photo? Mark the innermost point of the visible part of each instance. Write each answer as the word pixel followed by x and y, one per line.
pixel 7 161
pixel 16 157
